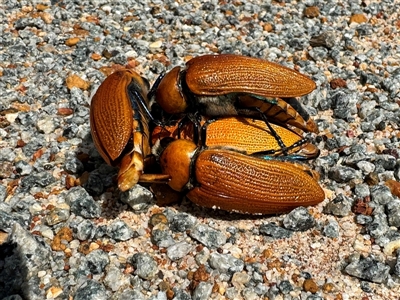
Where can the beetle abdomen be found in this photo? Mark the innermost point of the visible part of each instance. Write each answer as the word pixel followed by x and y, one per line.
pixel 236 182
pixel 229 73
pixel 252 136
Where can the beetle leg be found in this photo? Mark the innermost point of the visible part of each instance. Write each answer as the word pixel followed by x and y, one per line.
pixel 195 121
pixel 273 132
pixel 137 96
pixel 154 178
pixel 288 148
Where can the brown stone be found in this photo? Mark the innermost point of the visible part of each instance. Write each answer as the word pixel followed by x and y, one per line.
pixel 311 12
pixel 75 81
pixel 72 41
pixel 64 233
pixel 394 187
pixel 268 27
pixel 358 18
pixel 338 83
pixel 96 56
pixel 309 285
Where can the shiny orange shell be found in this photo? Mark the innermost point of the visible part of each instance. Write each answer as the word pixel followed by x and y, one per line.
pixel 235 182
pixel 111 117
pixel 228 73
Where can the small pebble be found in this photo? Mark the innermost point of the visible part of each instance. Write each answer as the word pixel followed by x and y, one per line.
pixel 298 219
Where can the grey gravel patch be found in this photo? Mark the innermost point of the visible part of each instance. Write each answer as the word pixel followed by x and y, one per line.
pixel 340 206
pixel 299 219
pixel 82 204
pixel 145 265
pixel 91 290
pixel 120 231
pixel 368 269
pixel 178 251
pixel 202 291
pixel 208 236
pixel 138 198
pixel 271 229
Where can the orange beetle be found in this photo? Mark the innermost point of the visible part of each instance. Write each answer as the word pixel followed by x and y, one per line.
pixel 119 124
pixel 227 84
pixel 228 180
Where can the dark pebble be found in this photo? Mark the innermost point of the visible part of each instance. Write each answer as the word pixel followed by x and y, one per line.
pixel 91 289
pixel 393 213
pixel 225 263
pixel 325 39
pixel 343 174
pixel 202 291
pixel 331 229
pixel 162 236
pixel 299 219
pixel 340 206
pixel 208 236
pixel 85 230
pixel 120 231
pixel 145 265
pixel 368 269
pixel 275 231
pixel 82 204
pixel 363 219
pixel 285 287
pixel 182 222
pixel 381 194
pixel 42 179
pixel 97 260
pixel 379 225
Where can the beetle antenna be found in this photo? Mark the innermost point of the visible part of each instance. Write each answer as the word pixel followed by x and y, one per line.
pixel 154 88
pixel 273 132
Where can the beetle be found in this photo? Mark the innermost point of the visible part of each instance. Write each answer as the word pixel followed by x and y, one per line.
pixel 119 120
pixel 245 135
pixel 228 84
pixel 228 180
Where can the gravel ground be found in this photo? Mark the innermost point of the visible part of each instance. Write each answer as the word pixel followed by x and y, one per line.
pixel 66 231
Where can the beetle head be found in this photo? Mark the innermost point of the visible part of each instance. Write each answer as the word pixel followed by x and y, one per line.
pixel 169 94
pixel 175 161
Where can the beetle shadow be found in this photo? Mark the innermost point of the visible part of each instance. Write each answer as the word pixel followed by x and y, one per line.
pixel 186 206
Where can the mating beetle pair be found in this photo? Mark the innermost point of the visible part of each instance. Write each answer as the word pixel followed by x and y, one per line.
pixel 231 169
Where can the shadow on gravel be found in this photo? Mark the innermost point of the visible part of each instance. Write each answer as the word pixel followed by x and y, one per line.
pixel 13 271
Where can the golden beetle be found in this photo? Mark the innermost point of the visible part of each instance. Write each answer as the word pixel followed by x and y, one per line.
pixel 119 124
pixel 227 84
pixel 228 180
